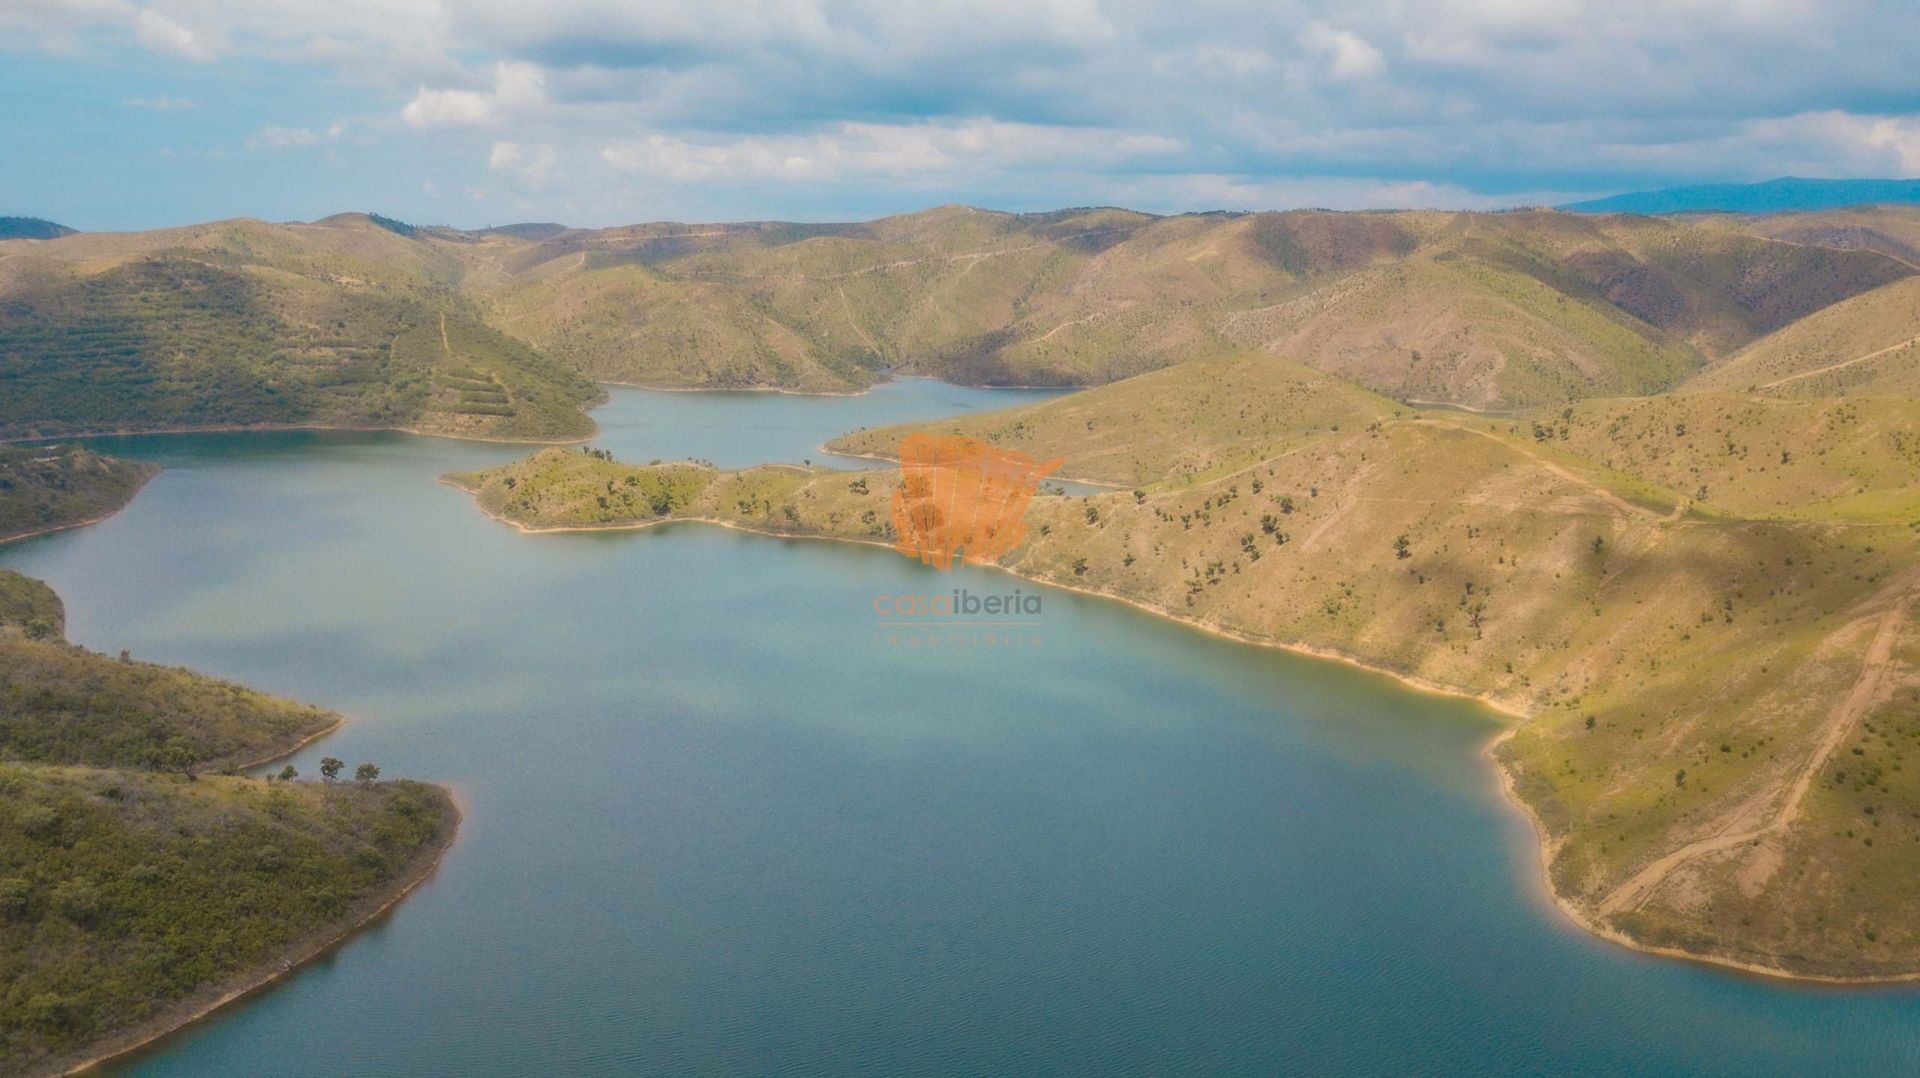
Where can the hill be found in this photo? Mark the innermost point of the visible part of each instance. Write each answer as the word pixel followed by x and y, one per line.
pixel 1188 423
pixel 1742 664
pixel 237 324
pixel 45 488
pixel 1785 194
pixel 1488 310
pixel 1865 346
pixel 339 321
pixel 135 892
pixel 31 228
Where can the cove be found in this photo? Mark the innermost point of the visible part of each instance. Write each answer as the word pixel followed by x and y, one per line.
pixel 717 822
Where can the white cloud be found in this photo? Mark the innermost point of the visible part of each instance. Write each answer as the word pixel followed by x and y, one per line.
pixel 849 102
pixel 530 166
pixel 161 103
pixel 516 87
pixel 860 150
pixel 447 108
pixel 161 34
pixel 1347 54
pixel 273 137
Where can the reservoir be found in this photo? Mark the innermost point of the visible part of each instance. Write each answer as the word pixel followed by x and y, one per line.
pixel 718 820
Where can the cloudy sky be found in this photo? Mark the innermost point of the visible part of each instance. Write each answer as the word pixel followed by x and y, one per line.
pixel 137 113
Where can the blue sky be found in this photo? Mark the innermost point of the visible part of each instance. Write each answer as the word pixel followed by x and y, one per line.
pixel 127 114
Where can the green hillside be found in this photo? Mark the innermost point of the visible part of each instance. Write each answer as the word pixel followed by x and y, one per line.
pixel 245 324
pixel 136 888
pixel 47 487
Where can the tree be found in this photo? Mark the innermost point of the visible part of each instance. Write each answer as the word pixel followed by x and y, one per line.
pixel 39 629
pixel 365 774
pixel 1401 548
pixel 178 755
pixel 1599 545
pixel 330 768
pixel 288 774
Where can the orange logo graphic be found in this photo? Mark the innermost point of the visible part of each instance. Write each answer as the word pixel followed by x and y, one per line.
pixel 961 497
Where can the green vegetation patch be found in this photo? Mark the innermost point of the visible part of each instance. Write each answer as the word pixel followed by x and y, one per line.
pixel 125 897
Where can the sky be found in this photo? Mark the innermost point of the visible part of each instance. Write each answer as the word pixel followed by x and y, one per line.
pixel 119 114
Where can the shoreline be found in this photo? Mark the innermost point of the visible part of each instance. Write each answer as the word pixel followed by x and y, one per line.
pixel 1544 843
pixel 152 471
pixel 1409 681
pixel 280 754
pixel 293 959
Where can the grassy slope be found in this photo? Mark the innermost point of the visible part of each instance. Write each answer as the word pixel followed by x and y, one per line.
pixel 126 897
pixel 1536 574
pixel 1190 422
pixel 48 487
pixel 1481 309
pixel 333 322
pixel 243 323
pixel 64 704
pixel 1865 346
pixel 130 898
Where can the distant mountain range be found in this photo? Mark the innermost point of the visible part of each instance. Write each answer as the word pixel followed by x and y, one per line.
pixel 31 228
pixel 1786 194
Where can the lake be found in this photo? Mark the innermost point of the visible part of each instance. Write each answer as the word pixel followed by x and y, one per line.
pixel 718 821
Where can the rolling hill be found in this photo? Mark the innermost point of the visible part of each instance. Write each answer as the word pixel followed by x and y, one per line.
pixel 337 322
pixel 240 324
pixel 1488 310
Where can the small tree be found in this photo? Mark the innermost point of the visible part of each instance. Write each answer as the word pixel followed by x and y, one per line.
pixel 39 629
pixel 330 768
pixel 178 755
pixel 365 774
pixel 1402 548
pixel 288 774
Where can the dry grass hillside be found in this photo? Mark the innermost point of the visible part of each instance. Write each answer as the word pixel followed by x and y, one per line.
pixel 1490 310
pixel 1866 346
pixel 1693 671
pixel 1493 311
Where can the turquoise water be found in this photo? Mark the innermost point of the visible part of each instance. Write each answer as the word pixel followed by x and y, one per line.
pixel 717 823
